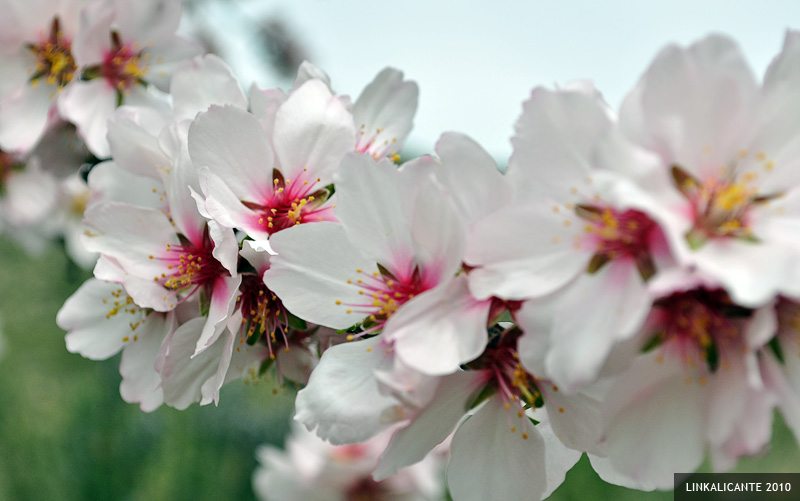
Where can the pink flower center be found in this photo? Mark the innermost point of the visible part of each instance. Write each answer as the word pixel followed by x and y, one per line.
pixel 189 268
pixel 292 202
pixel 504 374
pixel 123 66
pixel 618 235
pixel 54 62
pixel 720 205
pixel 698 325
pixel 381 295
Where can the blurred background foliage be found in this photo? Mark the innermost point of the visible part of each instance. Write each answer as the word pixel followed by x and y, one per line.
pixel 66 434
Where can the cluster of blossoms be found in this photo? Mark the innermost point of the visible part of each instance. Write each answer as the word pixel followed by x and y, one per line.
pixel 312 469
pixel 66 66
pixel 628 287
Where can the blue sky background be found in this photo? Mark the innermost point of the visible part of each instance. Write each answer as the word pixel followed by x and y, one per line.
pixel 476 61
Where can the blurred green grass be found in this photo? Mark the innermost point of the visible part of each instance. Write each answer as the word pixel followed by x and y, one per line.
pixel 66 434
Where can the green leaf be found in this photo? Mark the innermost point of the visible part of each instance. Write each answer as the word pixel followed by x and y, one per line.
pixel 696 238
pixel 297 323
pixel 265 365
pixel 483 394
pixel 205 303
pixel 505 317
pixel 599 260
pixel 252 340
pixel 712 357
pixel 776 348
pixel 654 342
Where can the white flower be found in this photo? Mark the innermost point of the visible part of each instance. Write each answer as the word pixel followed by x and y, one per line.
pixel 726 155
pixel 390 265
pixel 102 319
pixel 37 64
pixel 570 242
pixel 698 386
pixel 310 468
pixel 121 49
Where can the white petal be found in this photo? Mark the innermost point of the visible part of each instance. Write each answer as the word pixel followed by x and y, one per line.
pixel 488 461
pixel 233 145
pixel 264 105
pixel 180 181
pixel 471 177
pixel 523 252
pixel 223 301
pixel 89 105
pixel 575 419
pixel 202 82
pixel 92 42
pixel 97 319
pixel 441 329
pixel 226 248
pixel 222 205
pixel 342 400
pixel 140 381
pixel 595 311
pixel 654 422
pixel 314 273
pixel 438 235
pixel 313 130
pixel 133 140
pixel 308 71
pixel 183 376
pixel 130 234
pixel 166 56
pixel 109 182
pixel 431 425
pixel 148 20
pixel 752 273
pixel 606 471
pixel 694 106
pixel 24 117
pixel 554 142
pixel 375 213
pixel 778 382
pixel 559 459
pixel 384 113
pixel 258 254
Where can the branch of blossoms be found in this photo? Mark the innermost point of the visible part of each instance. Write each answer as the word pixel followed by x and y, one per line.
pixel 66 66
pixel 628 288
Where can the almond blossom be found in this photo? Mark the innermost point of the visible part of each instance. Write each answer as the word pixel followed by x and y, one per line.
pixel 570 242
pixel 121 49
pixel 725 153
pixel 312 469
pixel 37 65
pixel 176 260
pixel 504 447
pixel 400 277
pixel 697 386
pixel 271 170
